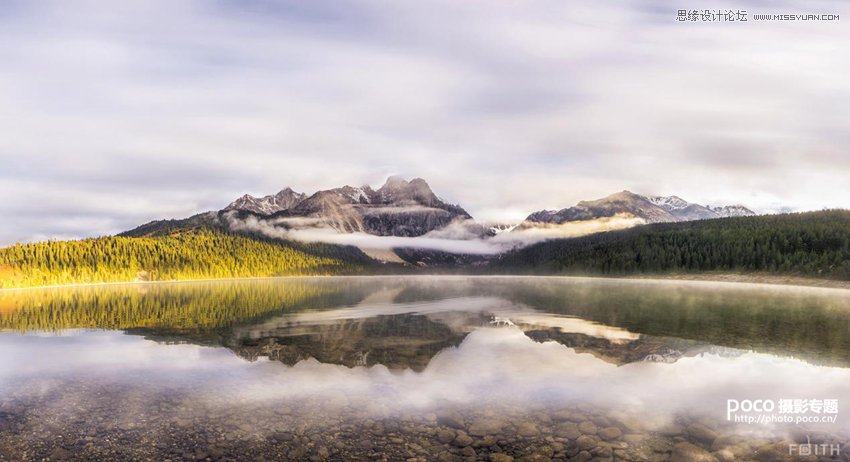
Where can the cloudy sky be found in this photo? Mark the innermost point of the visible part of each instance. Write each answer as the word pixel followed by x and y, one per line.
pixel 116 113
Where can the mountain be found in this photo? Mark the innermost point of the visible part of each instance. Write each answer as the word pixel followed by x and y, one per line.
pixel 651 209
pixel 687 211
pixel 404 208
pixel 268 205
pixel 621 203
pixel 398 208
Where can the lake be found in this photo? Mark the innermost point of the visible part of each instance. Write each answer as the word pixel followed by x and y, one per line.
pixel 425 368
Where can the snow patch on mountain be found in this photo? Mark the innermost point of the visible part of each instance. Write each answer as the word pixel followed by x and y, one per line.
pixel 733 211
pixel 501 228
pixel 668 202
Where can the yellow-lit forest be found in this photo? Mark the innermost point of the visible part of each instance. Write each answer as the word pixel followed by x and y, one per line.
pixel 198 254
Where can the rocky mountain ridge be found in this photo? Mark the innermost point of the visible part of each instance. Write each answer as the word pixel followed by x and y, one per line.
pixel 267 205
pixel 399 208
pixel 651 209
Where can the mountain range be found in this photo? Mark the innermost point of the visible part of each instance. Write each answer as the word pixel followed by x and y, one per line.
pixel 402 208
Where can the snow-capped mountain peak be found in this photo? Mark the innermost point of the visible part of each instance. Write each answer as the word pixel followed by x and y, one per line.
pixel 668 202
pixel 267 205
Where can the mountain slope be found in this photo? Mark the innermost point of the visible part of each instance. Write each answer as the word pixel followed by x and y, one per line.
pixel 806 244
pixel 159 228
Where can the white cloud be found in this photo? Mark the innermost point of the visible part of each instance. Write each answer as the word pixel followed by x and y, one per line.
pixel 363 240
pixel 145 110
pixel 528 233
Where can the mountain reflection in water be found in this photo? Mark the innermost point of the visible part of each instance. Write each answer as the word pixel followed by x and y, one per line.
pixel 409 348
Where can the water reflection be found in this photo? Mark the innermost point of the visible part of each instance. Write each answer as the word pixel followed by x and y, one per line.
pixel 809 324
pixel 449 367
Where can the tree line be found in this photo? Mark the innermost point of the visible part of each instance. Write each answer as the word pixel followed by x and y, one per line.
pixel 805 244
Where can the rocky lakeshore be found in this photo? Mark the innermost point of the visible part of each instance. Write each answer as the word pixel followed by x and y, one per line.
pixel 111 424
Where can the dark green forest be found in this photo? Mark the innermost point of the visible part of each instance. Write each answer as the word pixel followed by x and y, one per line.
pixel 812 244
pixel 195 254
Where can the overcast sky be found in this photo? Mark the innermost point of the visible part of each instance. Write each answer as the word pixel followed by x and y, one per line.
pixel 117 113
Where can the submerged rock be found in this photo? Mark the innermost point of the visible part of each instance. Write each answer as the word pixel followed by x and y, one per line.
pixel 588 428
pixel 451 419
pixel 567 430
pixel 500 457
pixel 527 429
pixel 445 436
pixel 587 442
pixel 462 440
pixel 687 452
pixel 702 433
pixel 610 433
pixel 486 426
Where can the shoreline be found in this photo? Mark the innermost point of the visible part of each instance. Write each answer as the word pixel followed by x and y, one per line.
pixel 765 279
pixel 728 278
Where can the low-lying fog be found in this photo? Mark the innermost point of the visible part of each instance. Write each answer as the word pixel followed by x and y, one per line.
pixel 458 237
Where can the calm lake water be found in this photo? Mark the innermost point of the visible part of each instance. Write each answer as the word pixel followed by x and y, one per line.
pixel 425 368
